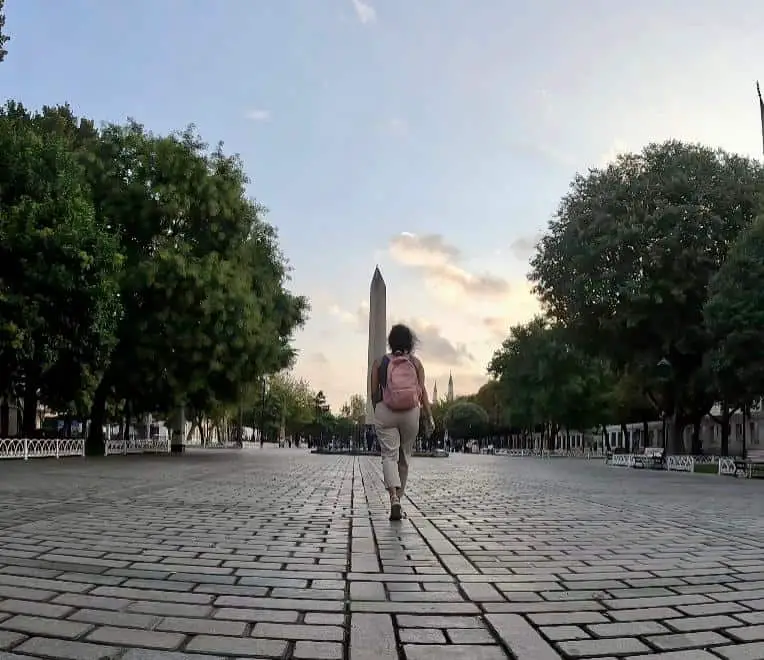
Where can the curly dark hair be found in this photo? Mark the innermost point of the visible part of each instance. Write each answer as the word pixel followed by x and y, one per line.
pixel 401 339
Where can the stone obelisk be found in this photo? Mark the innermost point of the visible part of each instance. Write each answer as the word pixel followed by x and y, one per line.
pixel 377 332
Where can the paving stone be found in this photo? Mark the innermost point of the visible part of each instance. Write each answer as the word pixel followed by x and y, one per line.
pixel 8 638
pixel 751 651
pixel 696 654
pixel 469 636
pixel 34 608
pixel 317 651
pixel 67 650
pixel 422 636
pixel 690 624
pixel 251 646
pixel 372 637
pixel 152 654
pixel 298 632
pixel 202 626
pixel 454 652
pixel 599 647
pixel 687 640
pixel 627 629
pixel 35 625
pixel 135 637
pixel 521 639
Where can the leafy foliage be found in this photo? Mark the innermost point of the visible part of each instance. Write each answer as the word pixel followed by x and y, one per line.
pixel 734 313
pixel 626 263
pixel 58 264
pixel 465 420
pixel 136 272
pixel 3 37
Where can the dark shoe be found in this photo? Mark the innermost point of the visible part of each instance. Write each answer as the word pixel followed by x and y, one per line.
pixel 395 509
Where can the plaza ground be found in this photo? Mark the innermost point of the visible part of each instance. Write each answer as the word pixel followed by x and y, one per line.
pixel 278 553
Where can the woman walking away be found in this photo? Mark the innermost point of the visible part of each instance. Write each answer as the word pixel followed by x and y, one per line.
pixel 398 390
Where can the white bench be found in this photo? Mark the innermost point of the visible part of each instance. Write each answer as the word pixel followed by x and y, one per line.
pixel 651 457
pixel 751 464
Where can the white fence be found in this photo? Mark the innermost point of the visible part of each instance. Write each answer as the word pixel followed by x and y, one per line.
pixel 27 448
pixel 158 445
pixel 725 465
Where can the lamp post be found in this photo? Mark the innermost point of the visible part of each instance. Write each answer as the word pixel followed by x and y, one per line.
pixel 664 373
pixel 262 411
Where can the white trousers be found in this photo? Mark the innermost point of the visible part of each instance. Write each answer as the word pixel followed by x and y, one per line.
pixel 396 432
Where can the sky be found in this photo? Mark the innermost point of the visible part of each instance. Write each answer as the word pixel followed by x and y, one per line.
pixel 433 138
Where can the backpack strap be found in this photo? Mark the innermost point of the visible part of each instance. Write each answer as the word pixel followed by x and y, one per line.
pixel 384 363
pixel 376 397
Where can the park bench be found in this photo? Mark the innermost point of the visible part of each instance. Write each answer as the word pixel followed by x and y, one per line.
pixel 651 457
pixel 751 464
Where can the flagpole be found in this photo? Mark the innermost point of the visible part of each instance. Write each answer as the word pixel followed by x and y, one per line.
pixel 761 112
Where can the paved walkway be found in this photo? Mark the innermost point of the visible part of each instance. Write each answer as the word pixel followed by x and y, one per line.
pixel 281 554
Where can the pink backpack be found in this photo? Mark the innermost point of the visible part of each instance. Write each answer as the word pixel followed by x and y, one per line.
pixel 401 390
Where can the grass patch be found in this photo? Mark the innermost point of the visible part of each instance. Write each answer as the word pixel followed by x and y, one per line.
pixel 707 468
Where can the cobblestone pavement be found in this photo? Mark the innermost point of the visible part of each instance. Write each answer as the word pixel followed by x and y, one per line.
pixel 281 554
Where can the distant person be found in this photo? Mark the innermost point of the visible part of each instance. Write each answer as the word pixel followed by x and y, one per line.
pixel 398 390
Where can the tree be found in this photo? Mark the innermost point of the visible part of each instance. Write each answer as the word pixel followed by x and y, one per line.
pixel 547 383
pixel 206 307
pixel 465 420
pixel 3 37
pixel 734 313
pixel 354 408
pixel 627 259
pixel 58 269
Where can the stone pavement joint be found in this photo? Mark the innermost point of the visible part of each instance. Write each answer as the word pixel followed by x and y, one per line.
pixel 282 554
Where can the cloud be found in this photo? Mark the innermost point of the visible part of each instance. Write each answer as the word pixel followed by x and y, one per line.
pixel 259 115
pixel 617 148
pixel 317 358
pixel 520 307
pixel 497 326
pixel 433 345
pixel 365 12
pixel 438 262
pixel 397 127
pixel 524 247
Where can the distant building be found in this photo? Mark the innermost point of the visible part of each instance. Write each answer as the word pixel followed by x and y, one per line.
pixel 450 391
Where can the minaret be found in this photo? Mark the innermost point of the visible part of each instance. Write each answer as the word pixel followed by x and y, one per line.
pixel 435 393
pixel 450 392
pixel 377 332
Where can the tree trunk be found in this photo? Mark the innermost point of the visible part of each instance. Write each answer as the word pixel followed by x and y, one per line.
pixel 677 426
pixel 29 425
pixel 94 445
pixel 724 423
pixel 195 424
pixel 697 445
pixel 626 438
pixel 606 437
pixel 5 417
pixel 645 433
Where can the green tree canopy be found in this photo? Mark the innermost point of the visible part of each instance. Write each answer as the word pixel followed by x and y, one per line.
pixel 627 260
pixel 546 381
pixel 465 420
pixel 735 317
pixel 58 270
pixel 3 37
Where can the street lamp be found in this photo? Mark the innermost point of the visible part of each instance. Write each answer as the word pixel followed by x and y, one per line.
pixel 664 373
pixel 262 411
